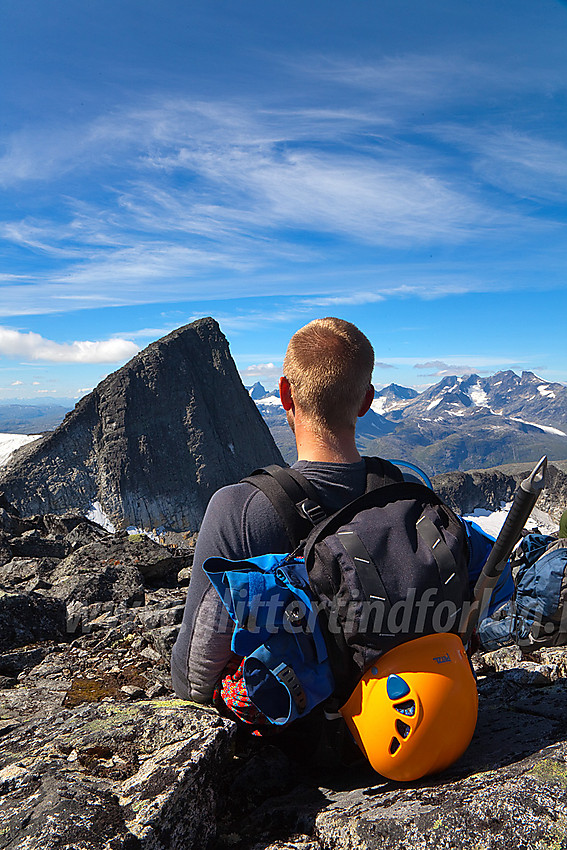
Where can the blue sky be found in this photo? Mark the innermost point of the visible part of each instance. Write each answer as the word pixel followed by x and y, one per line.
pixel 399 163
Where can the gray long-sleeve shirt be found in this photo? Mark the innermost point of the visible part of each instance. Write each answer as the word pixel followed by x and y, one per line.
pixel 240 523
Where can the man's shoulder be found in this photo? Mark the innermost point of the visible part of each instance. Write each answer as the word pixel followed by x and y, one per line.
pixel 234 499
pixel 240 522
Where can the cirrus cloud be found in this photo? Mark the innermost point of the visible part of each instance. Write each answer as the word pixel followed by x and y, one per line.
pixel 440 369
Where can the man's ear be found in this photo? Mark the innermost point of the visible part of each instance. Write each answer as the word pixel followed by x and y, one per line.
pixel 286 397
pixel 368 399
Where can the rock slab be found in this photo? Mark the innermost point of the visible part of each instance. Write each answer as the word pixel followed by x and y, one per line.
pixel 135 776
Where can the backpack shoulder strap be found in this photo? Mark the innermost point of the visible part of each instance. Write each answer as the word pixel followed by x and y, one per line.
pixel 380 473
pixel 293 497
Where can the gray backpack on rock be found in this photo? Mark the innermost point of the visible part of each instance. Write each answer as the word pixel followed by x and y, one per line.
pixel 536 616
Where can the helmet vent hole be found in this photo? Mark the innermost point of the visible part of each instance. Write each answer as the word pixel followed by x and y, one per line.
pixel 403 728
pixel 394 745
pixel 407 707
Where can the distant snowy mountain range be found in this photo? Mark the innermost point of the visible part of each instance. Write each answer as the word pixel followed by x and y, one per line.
pixel 460 423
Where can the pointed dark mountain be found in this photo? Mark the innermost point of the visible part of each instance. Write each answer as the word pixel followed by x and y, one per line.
pixel 257 391
pixel 152 442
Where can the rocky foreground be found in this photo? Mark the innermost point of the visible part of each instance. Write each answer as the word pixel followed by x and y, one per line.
pixel 95 751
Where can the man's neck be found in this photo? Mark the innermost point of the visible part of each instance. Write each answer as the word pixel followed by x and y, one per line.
pixel 335 448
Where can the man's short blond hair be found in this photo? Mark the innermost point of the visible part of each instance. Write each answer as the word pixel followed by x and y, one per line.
pixel 329 365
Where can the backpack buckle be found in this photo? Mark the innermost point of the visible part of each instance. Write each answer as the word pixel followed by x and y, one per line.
pixel 286 674
pixel 311 511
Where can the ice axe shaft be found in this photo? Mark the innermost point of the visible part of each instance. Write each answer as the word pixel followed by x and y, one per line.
pixel 522 506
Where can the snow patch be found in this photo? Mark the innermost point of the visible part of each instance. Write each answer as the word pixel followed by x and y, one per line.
pixel 547 428
pixel 10 442
pixel 272 400
pixel 492 521
pixel 379 406
pixel 544 390
pixel 433 404
pixel 478 396
pixel 96 514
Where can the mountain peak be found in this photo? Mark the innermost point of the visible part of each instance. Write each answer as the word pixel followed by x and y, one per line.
pixel 258 391
pixel 153 441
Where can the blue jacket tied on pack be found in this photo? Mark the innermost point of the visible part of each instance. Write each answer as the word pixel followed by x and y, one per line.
pixel 286 668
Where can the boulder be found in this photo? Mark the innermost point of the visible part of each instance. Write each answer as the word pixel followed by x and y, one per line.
pixel 28 617
pixel 109 580
pixel 114 569
pixel 27 574
pixel 155 562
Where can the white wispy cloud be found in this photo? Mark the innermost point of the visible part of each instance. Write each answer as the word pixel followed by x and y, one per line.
pixel 349 299
pixel 467 364
pixel 32 346
pixel 409 82
pixel 194 195
pixel 439 369
pixel 520 163
pixel 149 333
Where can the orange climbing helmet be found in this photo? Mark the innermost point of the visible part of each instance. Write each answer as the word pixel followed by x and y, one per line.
pixel 414 711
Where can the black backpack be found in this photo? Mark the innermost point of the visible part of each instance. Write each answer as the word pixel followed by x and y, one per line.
pixel 388 567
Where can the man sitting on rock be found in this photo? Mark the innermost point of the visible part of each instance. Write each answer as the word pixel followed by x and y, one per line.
pixel 326 387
